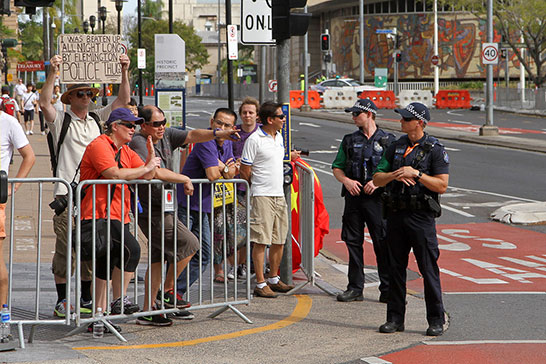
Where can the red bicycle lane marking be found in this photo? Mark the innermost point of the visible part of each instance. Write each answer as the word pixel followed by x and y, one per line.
pixel 483 353
pixel 485 257
pixel 474 128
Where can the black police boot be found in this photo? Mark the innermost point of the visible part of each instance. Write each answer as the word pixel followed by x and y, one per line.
pixel 435 330
pixel 384 297
pixel 390 327
pixel 350 295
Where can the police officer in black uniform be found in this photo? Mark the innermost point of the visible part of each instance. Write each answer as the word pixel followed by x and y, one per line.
pixel 415 171
pixel 357 158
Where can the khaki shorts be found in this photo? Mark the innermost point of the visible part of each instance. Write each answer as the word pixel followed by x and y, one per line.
pixel 268 220
pixel 2 220
pixel 186 242
pixel 58 266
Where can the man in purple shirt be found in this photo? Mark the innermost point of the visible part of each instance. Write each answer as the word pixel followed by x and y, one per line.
pixel 211 160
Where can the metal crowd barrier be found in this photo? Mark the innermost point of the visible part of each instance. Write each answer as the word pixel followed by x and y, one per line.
pixel 306 210
pixel 206 297
pixel 36 320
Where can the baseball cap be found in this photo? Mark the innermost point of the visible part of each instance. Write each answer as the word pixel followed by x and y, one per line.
pixel 362 105
pixel 415 110
pixel 123 114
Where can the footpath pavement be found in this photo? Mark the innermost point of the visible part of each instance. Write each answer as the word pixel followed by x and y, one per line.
pixel 309 327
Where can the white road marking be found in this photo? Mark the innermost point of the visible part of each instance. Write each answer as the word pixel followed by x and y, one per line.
pixel 466 214
pixel 311 125
pixel 474 342
pixel 339 140
pixel 316 161
pixel 191 114
pixel 324 151
pixel 374 360
pixel 492 194
pixel 453 113
pixel 483 204
pixel 452 149
pixel 460 122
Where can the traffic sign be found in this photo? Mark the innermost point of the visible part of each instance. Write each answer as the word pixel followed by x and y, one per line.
pixel 272 85
pixel 232 42
pixel 434 60
pixel 490 53
pixel 10 77
pixel 256 22
pixel 384 31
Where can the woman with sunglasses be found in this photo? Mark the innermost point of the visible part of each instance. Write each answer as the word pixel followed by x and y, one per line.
pixel 109 157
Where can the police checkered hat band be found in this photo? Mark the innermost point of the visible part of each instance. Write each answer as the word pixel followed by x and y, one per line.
pixel 415 110
pixel 363 105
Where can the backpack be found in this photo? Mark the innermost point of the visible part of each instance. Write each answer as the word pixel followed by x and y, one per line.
pixel 54 158
pixel 8 105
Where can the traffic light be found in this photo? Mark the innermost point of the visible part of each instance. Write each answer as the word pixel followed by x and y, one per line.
pixel 325 42
pixel 503 53
pixel 4 7
pixel 287 24
pixel 31 5
pixel 398 57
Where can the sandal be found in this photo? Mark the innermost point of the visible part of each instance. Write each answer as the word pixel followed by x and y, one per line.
pixel 219 278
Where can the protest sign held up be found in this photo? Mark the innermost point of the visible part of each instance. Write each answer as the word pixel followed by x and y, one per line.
pixel 90 58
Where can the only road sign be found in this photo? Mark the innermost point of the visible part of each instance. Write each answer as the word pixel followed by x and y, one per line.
pixel 256 22
pixel 490 53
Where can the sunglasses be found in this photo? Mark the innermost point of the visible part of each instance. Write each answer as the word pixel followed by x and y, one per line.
pixel 408 119
pixel 157 124
pixel 127 124
pixel 280 116
pixel 81 94
pixel 356 113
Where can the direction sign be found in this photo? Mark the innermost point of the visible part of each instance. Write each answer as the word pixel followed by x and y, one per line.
pixel 256 22
pixel 490 53
pixel 435 59
pixel 384 31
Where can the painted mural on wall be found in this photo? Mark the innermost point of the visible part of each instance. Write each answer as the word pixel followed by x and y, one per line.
pixel 459 38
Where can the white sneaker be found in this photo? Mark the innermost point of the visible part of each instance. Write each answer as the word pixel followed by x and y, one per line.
pixel 241 271
pixel 231 273
pixel 31 132
pixel 27 132
pixel 43 133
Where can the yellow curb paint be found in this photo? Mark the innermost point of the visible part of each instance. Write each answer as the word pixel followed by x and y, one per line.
pixel 303 306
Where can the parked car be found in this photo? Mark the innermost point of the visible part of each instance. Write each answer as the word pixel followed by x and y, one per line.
pixel 343 83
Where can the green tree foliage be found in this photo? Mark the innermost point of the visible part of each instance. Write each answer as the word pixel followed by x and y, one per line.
pixel 196 53
pixel 514 19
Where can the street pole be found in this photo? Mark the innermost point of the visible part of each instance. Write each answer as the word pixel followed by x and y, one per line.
pixel 305 106
pixel 488 129
pixel 139 25
pixel 283 94
pixel 219 66
pixel 263 81
pixel 436 67
pixel 62 17
pixel 522 72
pixel 361 36
pixel 506 75
pixel 229 61
pixel 170 16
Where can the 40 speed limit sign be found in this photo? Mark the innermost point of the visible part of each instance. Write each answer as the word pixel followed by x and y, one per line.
pixel 490 53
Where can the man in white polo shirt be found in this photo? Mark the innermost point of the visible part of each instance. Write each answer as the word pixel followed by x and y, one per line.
pixel 262 167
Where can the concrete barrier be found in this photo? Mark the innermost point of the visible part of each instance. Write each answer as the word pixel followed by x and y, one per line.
pixel 406 97
pixel 338 99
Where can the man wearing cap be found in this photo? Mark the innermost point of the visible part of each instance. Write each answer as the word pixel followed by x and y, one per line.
pixel 415 170
pixel 82 129
pixel 356 159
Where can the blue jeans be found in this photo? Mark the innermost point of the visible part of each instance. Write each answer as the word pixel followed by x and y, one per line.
pixel 204 252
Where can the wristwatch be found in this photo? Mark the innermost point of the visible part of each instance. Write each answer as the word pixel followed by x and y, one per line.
pixel 214 132
pixel 226 168
pixel 419 175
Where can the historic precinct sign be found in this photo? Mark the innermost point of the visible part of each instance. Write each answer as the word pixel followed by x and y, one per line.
pixel 90 58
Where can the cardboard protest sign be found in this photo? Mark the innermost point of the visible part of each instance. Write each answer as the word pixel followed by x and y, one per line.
pixel 90 58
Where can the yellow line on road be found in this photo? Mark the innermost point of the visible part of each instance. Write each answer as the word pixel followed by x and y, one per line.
pixel 303 306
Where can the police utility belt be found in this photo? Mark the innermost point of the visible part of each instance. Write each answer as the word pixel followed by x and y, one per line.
pixel 397 203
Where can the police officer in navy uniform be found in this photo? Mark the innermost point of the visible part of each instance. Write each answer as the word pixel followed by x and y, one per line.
pixel 415 171
pixel 357 158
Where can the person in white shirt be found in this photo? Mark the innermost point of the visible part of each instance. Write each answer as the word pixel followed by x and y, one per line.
pixel 30 101
pixel 20 89
pixel 262 167
pixel 11 137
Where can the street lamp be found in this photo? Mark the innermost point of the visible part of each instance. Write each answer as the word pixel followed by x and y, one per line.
pixel 102 15
pixel 85 26
pixel 119 8
pixel 92 23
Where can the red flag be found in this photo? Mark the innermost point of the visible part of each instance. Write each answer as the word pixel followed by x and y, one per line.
pixel 322 219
